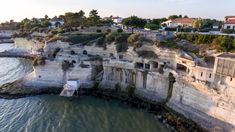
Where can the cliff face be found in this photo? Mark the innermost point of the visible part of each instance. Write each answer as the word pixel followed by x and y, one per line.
pixel 48 75
pixel 214 110
pixel 211 109
pixel 151 85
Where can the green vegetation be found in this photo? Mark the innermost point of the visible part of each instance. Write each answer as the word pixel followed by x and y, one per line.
pixel 168 43
pixel 130 90
pixel 134 22
pixel 224 43
pixel 120 39
pixel 228 31
pixel 94 18
pixel 74 19
pixel 133 38
pixel 118 88
pixel 39 61
pixel 81 38
pixel 173 17
pixel 100 42
pixel 205 25
pixel 152 26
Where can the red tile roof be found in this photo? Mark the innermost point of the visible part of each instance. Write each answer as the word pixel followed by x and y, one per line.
pixel 230 22
pixel 229 16
pixel 184 20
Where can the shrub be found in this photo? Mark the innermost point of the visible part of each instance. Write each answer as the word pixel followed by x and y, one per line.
pixel 100 41
pixel 98 30
pixel 121 47
pixel 119 30
pixel 110 37
pixel 134 38
pixel 205 30
pixel 227 43
pixel 147 54
pixel 228 31
pixel 82 38
pixel 130 90
pixel 108 30
pixel 170 29
pixel 117 88
pixel 54 32
pixel 152 26
pixel 122 37
pixel 169 43
pixel 186 30
pixel 14 35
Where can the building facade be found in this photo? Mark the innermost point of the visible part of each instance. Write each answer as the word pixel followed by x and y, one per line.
pixel 229 22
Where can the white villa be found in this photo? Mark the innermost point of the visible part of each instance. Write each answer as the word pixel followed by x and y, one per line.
pixel 184 22
pixel 117 20
pixel 229 22
pixel 55 22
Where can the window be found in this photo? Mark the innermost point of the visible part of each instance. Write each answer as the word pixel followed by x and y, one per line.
pixel 210 75
pixel 201 74
pixel 231 79
pixel 228 27
pixel 147 66
pixel 84 52
pixel 233 27
pixel 139 65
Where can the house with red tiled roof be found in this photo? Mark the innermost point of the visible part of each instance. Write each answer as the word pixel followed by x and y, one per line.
pixel 229 22
pixel 184 22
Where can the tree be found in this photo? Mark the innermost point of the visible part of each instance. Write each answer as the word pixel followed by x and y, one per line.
pixel 173 17
pixel 74 19
pixel 46 23
pixel 46 17
pixel 134 22
pixel 196 24
pixel 25 24
pixel 61 17
pixel 94 18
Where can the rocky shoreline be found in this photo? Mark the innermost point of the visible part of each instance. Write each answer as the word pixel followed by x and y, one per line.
pixel 168 117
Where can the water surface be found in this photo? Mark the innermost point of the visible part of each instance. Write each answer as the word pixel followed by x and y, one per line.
pixel 52 113
pixel 12 69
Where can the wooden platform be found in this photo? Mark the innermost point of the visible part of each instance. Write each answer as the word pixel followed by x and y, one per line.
pixel 69 89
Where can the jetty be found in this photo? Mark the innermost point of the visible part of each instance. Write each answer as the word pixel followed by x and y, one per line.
pixel 70 87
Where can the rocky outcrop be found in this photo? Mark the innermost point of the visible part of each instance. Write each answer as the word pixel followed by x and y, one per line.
pixel 206 107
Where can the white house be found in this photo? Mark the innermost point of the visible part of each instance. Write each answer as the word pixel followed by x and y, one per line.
pixel 117 20
pixel 229 22
pixel 184 22
pixel 56 22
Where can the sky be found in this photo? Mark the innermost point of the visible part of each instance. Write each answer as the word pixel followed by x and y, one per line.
pixel 20 9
